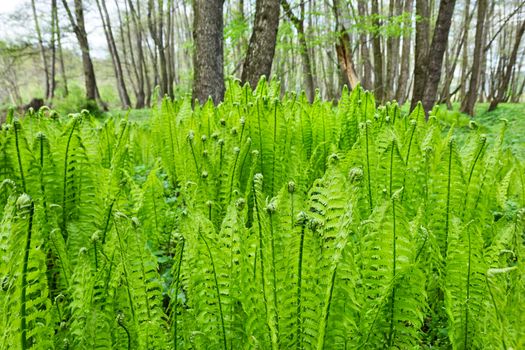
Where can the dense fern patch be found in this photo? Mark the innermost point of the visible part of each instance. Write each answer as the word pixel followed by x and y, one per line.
pixel 266 222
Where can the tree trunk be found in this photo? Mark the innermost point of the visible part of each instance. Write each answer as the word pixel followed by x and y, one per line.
pixel 79 28
pixel 115 58
pixel 137 62
pixel 60 51
pixel 421 50
pixel 470 99
pixel 464 58
pixel 438 47
pixel 305 55
pixel 208 56
pixel 42 50
pixel 365 52
pixel 401 93
pixel 378 56
pixel 156 26
pixel 392 71
pixel 344 50
pixel 504 84
pixel 52 78
pixel 261 48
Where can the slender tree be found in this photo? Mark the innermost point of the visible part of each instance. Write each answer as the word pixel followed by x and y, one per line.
pixel 79 28
pixel 436 53
pixel 379 88
pixel 468 103
pixel 42 50
pixel 401 93
pixel 502 87
pixel 298 23
pixel 115 57
pixel 208 57
pixel 421 50
pixel 261 48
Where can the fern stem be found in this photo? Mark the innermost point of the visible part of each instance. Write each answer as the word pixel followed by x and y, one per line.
pixel 274 146
pixel 468 290
pixel 261 162
pixel 194 157
pixel 216 288
pixel 272 239
pixel 106 226
pixel 500 318
pixel 64 197
pixel 261 253
pixel 478 154
pixel 121 324
pixel 394 253
pixel 449 181
pixel 232 177
pixel 177 280
pixel 368 165
pixel 23 294
pixel 19 155
pixel 408 158
pixel 299 330
pixel 326 312
pixel 124 269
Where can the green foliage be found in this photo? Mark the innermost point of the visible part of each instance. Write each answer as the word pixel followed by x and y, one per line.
pixel 264 222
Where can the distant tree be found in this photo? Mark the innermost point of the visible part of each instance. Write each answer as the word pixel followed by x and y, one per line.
pixel 298 23
pixel 428 64
pixel 379 88
pixel 57 33
pixel 113 52
pixel 261 48
pixel 504 78
pixel 42 50
pixel 401 93
pixel 208 57
pixel 468 103
pixel 79 28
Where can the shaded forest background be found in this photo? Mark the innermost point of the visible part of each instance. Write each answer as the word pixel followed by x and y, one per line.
pixel 453 52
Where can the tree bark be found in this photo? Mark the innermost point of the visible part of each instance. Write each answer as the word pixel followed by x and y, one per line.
pixel 156 26
pixel 115 58
pixel 365 52
pixel 421 50
pixel 378 56
pixel 209 55
pixel 305 55
pixel 392 70
pixel 470 99
pixel 464 57
pixel 52 77
pixel 42 50
pixel 79 28
pixel 261 48
pixel 438 47
pixel 137 62
pixel 59 47
pixel 504 84
pixel 401 93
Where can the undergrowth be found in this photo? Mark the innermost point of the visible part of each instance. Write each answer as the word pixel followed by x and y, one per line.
pixel 265 222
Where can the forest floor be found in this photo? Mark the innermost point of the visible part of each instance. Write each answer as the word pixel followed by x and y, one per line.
pixel 489 123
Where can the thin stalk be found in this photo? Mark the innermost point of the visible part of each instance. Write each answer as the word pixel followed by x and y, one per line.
pixel 299 330
pixel 23 294
pixel 64 198
pixel 468 290
pixel 16 127
pixel 394 253
pixel 216 288
pixel 177 280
